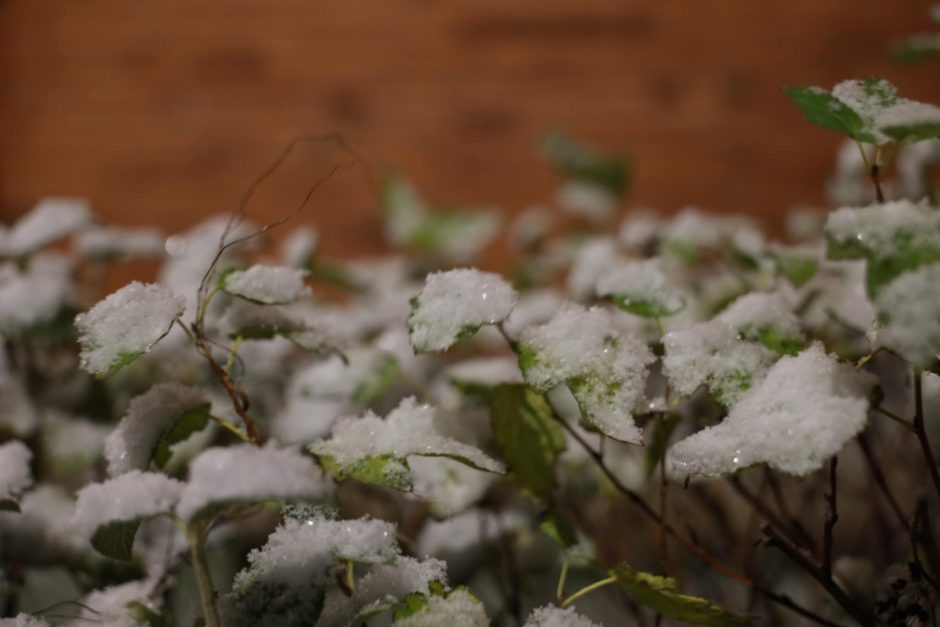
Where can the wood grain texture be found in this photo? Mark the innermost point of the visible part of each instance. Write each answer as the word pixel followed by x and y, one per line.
pixel 163 111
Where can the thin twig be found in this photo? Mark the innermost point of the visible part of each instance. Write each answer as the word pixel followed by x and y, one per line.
pixel 879 477
pixel 784 509
pixel 921 432
pixel 898 419
pixel 767 513
pixel 832 517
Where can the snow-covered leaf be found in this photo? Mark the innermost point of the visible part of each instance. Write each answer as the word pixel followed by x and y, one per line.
pixel 373 450
pixel 801 414
pixel 50 220
pixel 641 288
pixel 223 476
pixel 265 285
pixel 909 316
pixel 32 298
pixel 109 243
pixel 584 164
pixel 453 305
pixel 603 364
pixel 554 616
pixel 125 325
pixel 457 608
pixel 15 474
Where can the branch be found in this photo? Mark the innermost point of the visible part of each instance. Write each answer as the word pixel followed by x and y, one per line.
pixel 832 517
pixel 879 477
pixel 921 431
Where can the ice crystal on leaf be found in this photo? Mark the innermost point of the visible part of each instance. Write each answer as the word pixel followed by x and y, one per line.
pixel 125 325
pixel 454 304
pixel 802 413
pixel 591 352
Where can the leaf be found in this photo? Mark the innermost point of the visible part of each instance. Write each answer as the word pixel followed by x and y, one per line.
pixel 559 529
pixel 880 270
pixel 823 109
pixel 528 437
pixel 916 48
pixel 915 132
pixel 416 602
pixel 383 470
pixel 797 269
pixel 190 422
pixel 116 539
pixel 774 339
pixel 661 594
pixel 143 615
pixel 645 308
pixel 384 375
pixel 582 163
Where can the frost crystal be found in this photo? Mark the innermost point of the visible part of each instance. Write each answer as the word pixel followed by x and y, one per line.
pixel 909 315
pixel 131 496
pixel 410 429
pixel 285 579
pixel 32 297
pixel 267 285
pixel 125 325
pixel 553 616
pixel 383 587
pixel 803 412
pixel 247 473
pixel 458 608
pixel 111 243
pixel 131 444
pixel 604 365
pixel 15 475
pixel 641 287
pixel 51 220
pixel 454 304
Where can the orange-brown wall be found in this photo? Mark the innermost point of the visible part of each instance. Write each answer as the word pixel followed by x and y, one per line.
pixel 163 110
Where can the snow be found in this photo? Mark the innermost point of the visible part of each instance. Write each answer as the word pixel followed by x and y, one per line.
pixel 23 620
pixel 109 606
pixel 880 107
pixel 131 496
pixel 410 429
pixel 485 371
pixel 69 439
pixel 15 474
pixel 454 304
pixel 126 324
pixel 458 609
pixel 299 247
pixel 149 416
pixel 586 200
pixel 803 412
pixel 553 616
pixel 713 353
pixel 383 585
pixel 760 311
pixel 448 485
pixel 247 473
pixel 268 285
pixel 32 297
pixel 593 259
pixel 108 243
pixel 534 307
pixel 50 220
pixel 880 228
pixel 641 284
pixel 639 230
pixel 909 315
pixel 277 588
pixel 18 415
pixel 604 364
pixel 364 371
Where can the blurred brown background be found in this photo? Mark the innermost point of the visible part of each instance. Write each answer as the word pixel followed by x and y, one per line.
pixel 163 111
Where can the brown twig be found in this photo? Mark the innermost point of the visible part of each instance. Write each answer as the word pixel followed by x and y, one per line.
pixel 767 513
pixel 832 517
pixel 921 432
pixel 878 475
pixel 815 571
pixel 784 509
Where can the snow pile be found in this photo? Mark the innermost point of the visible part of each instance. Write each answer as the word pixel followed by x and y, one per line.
pixel 51 220
pixel 126 324
pixel 267 285
pixel 454 304
pixel 132 496
pixel 884 229
pixel 149 416
pixel 15 475
pixel 641 287
pixel 803 412
pixel 553 616
pixel 604 365
pixel 909 315
pixel 457 608
pixel 247 473
pixel 109 606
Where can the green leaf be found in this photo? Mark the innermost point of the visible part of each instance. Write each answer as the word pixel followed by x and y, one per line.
pixel 382 470
pixel 915 132
pixel 730 385
pixel 775 340
pixel 797 269
pixel 823 109
pixel 452 603
pixel 557 527
pixel 189 423
pixel 385 374
pixel 528 436
pixel 646 308
pixel 583 163
pixel 880 269
pixel 661 594
pixel 143 615
pixel 116 539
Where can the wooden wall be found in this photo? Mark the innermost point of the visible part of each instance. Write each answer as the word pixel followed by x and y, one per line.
pixel 163 110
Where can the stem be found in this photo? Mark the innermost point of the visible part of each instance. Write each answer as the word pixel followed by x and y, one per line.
pixel 898 419
pixel 351 575
pixel 196 537
pixel 233 351
pixel 879 477
pixel 664 512
pixel 588 589
pixel 562 578
pixel 921 431
pixel 832 516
